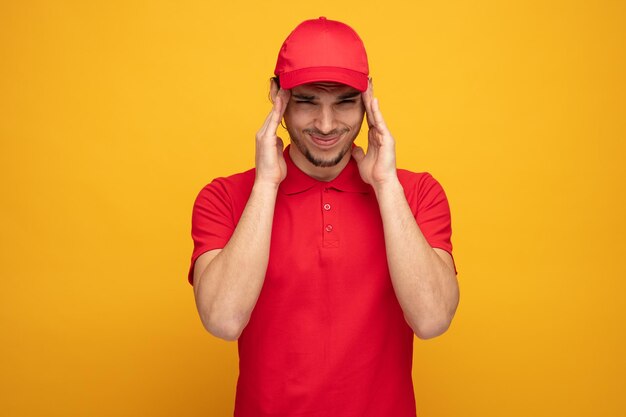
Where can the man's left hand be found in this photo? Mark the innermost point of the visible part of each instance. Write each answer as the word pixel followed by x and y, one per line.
pixel 378 166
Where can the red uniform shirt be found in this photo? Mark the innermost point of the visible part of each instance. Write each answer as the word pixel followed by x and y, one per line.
pixel 327 336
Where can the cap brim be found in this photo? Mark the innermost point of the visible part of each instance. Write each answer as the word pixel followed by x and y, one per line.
pixel 298 77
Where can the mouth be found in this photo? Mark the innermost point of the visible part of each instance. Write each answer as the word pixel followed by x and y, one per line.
pixel 325 141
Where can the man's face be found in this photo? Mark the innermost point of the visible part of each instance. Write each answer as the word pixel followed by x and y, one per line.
pixel 323 120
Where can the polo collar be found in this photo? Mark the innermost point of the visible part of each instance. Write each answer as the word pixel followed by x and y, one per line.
pixel 297 181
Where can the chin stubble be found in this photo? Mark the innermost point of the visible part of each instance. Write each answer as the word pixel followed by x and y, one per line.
pixel 322 163
pixel 326 163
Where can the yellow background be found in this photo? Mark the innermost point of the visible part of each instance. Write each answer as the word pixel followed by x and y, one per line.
pixel 115 114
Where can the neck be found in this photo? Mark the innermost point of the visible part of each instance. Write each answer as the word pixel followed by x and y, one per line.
pixel 319 173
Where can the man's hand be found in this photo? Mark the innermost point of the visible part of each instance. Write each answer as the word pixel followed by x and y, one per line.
pixel 378 166
pixel 423 280
pixel 228 281
pixel 270 163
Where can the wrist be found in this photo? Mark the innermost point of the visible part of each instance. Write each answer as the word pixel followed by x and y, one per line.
pixel 263 186
pixel 391 185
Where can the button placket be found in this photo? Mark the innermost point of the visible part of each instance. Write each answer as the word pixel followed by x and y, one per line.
pixel 329 219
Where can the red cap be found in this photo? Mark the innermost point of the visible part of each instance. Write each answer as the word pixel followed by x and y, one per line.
pixel 322 50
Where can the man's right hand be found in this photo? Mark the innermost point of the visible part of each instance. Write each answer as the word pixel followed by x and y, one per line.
pixel 270 164
pixel 228 281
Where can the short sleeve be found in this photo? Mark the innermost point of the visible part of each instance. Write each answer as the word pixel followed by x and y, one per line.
pixel 212 222
pixel 432 213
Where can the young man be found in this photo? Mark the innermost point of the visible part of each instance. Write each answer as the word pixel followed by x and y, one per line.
pixel 324 260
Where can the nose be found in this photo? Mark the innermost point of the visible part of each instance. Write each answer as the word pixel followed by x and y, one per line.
pixel 325 120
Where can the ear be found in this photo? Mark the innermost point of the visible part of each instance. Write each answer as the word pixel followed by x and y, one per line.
pixel 273 89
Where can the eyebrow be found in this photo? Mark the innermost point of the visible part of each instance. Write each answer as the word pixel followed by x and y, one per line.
pixel 348 95
pixel 303 97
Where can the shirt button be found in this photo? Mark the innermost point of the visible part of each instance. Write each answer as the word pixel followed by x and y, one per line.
pixel 326 206
pixel 329 227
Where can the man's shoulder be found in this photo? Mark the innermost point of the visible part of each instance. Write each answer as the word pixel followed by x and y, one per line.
pixel 419 185
pixel 412 179
pixel 234 185
pixel 238 179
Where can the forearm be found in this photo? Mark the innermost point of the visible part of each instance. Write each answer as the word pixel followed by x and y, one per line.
pixel 230 285
pixel 425 286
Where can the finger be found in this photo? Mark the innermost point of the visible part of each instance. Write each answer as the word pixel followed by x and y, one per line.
pixel 276 114
pixel 263 128
pixel 374 139
pixel 370 94
pixel 358 154
pixel 282 98
pixel 365 95
pixel 274 88
pixel 367 100
pixel 285 102
pixel 378 116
